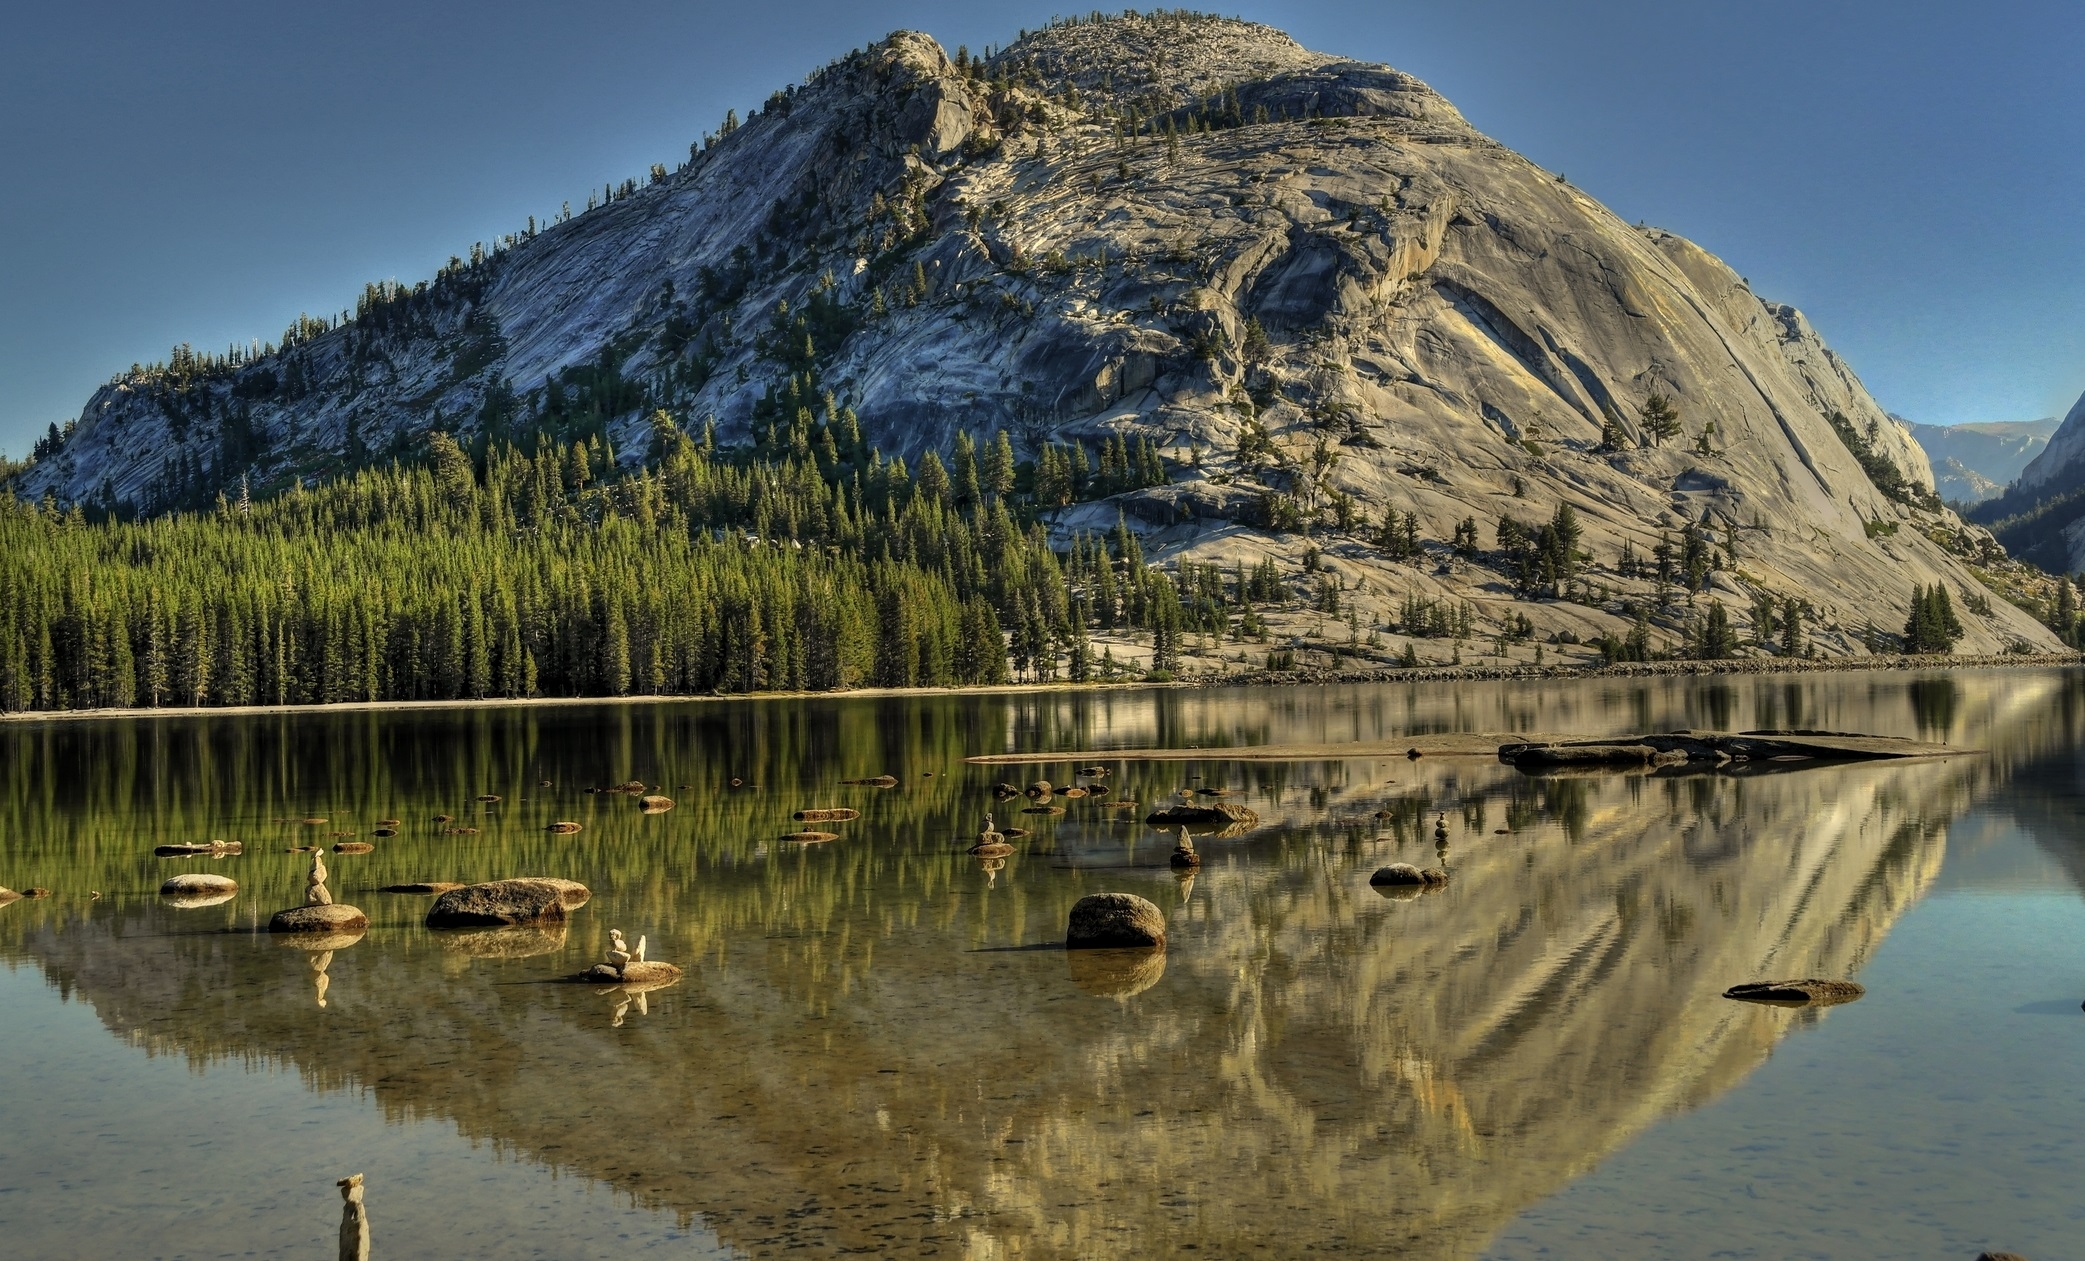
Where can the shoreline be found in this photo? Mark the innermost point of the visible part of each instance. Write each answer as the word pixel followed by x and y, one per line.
pixel 1249 678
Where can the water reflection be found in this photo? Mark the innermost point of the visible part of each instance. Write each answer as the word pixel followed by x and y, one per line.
pixel 854 1060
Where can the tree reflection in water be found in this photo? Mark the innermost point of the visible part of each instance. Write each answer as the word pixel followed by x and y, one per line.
pixel 852 1061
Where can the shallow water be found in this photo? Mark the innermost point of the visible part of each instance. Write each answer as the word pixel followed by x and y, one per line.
pixel 875 1048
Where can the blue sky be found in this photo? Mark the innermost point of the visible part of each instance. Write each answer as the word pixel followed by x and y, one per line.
pixel 1912 176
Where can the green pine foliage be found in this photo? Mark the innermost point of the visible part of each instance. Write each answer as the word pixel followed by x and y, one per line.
pixel 1932 626
pixel 552 568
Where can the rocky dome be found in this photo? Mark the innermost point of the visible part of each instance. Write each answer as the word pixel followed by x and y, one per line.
pixel 1307 280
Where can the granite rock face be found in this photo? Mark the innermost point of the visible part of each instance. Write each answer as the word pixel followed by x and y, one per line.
pixel 1422 320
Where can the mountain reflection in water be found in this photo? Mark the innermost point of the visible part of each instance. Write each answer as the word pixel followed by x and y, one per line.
pixel 855 1059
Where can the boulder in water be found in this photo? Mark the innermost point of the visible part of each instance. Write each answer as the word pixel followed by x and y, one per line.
pixel 827 814
pixel 635 972
pixel 874 781
pixel 1803 992
pixel 523 901
pixel 563 827
pixel 198 884
pixel 1219 813
pixel 809 837
pixel 1406 874
pixel 655 805
pixel 332 917
pixel 1115 920
pixel 354 847
pixel 208 849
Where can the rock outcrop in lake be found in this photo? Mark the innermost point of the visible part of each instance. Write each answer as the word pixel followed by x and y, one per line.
pixel 529 900
pixel 1295 286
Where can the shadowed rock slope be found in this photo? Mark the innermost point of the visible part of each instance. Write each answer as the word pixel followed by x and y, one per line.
pixel 1177 228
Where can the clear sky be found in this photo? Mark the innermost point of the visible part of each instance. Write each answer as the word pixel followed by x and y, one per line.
pixel 1911 175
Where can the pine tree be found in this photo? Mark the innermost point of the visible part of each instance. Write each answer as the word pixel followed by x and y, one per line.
pixel 999 466
pixel 933 478
pixel 968 490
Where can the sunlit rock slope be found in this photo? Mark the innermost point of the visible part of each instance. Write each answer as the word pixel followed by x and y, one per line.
pixel 1177 228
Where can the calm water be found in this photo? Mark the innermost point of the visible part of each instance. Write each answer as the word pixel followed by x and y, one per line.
pixel 875 1049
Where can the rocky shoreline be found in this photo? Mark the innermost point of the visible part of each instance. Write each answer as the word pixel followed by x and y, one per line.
pixel 1246 678
pixel 1632 669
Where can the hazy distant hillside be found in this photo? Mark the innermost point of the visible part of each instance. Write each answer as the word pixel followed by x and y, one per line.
pixel 1261 302
pixel 1975 462
pixel 2041 515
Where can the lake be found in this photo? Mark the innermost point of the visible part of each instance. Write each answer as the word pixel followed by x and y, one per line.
pixel 879 1046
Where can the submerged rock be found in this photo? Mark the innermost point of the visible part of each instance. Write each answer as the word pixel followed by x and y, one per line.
pixel 354 847
pixel 520 901
pixel 330 917
pixel 1408 875
pixel 1115 920
pixel 423 886
pixel 1219 813
pixel 563 827
pixel 1807 991
pixel 635 972
pixel 827 814
pixel 809 837
pixel 209 849
pixel 874 781
pixel 655 805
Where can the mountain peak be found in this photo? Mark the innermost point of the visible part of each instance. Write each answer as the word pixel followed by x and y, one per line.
pixel 1304 285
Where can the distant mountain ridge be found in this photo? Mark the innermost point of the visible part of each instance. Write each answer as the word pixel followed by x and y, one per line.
pixel 1306 282
pixel 2041 515
pixel 1974 462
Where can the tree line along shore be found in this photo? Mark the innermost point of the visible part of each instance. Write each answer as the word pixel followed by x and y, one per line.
pixel 512 573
